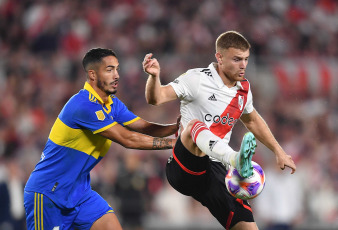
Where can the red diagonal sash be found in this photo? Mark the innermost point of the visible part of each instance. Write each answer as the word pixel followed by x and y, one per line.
pixel 231 113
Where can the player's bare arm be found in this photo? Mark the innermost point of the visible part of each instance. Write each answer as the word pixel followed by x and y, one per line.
pixel 135 140
pixel 153 129
pixel 156 93
pixel 256 124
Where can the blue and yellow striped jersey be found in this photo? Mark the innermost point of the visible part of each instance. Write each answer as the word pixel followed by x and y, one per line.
pixel 74 147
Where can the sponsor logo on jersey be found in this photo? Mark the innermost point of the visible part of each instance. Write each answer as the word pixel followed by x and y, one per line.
pixel 225 120
pixel 100 115
pixel 240 102
pixel 212 98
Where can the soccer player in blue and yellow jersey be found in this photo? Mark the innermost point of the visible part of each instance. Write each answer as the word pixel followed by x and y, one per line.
pixel 58 194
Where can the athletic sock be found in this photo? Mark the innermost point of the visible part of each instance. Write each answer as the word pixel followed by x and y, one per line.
pixel 211 144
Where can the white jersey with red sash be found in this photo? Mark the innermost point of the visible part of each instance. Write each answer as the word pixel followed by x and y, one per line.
pixel 204 97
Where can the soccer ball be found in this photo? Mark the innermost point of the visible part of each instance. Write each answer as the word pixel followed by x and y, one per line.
pixel 245 188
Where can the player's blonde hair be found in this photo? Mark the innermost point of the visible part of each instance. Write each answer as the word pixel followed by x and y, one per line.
pixel 232 39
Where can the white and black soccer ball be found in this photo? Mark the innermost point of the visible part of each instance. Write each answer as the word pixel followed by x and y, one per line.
pixel 245 188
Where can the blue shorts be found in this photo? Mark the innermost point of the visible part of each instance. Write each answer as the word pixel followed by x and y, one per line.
pixel 42 213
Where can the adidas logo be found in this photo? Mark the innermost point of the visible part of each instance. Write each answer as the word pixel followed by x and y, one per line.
pixel 212 98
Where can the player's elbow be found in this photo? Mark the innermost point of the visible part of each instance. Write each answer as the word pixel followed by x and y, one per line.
pixel 153 101
pixel 249 123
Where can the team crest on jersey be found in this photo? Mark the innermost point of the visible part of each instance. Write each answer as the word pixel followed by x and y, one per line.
pixel 240 102
pixel 100 115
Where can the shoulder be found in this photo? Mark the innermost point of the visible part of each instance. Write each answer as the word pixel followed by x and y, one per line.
pixel 194 74
pixel 116 101
pixel 80 103
pixel 199 72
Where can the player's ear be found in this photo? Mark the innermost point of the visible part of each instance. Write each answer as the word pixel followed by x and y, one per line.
pixel 218 57
pixel 91 75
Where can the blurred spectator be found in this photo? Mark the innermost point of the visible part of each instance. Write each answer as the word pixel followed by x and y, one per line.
pixel 12 213
pixel 172 208
pixel 281 192
pixel 131 189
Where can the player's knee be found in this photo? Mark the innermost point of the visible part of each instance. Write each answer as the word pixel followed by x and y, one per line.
pixel 191 124
pixel 187 130
pixel 186 134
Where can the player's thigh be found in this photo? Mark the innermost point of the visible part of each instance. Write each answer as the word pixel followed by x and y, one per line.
pixel 95 211
pixel 42 213
pixel 108 221
pixel 187 173
pixel 245 226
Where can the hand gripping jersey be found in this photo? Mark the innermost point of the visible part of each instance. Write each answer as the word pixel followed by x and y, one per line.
pixel 74 147
pixel 204 96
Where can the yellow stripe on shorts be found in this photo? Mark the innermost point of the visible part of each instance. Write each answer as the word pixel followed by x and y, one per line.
pixel 38 211
pixel 35 210
pixel 41 211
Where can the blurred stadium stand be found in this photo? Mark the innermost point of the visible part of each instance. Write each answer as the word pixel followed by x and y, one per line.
pixel 294 76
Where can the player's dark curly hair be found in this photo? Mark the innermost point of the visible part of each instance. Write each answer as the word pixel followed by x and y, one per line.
pixel 95 55
pixel 232 39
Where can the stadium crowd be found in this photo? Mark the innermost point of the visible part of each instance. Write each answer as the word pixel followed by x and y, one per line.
pixel 42 43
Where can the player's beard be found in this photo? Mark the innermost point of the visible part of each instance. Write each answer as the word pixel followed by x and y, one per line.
pixel 104 86
pixel 233 76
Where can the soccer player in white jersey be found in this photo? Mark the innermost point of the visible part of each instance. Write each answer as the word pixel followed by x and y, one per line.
pixel 213 99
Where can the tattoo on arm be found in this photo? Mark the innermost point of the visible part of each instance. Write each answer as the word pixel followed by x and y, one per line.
pixel 162 143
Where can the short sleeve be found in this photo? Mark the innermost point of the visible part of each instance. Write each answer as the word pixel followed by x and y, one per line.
pixel 122 114
pixel 186 86
pixel 92 117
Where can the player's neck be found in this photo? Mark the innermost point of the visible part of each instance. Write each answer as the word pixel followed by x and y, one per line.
pixel 101 93
pixel 227 82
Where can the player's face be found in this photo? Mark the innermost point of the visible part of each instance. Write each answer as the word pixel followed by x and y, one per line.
pixel 232 64
pixel 107 75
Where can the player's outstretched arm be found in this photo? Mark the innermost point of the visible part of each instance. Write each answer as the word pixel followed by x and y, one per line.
pixel 156 93
pixel 153 129
pixel 256 124
pixel 135 140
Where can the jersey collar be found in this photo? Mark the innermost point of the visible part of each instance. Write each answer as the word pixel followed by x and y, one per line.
pixel 218 79
pixel 90 89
